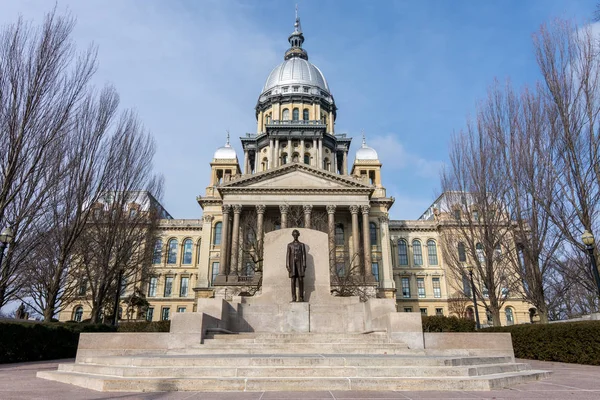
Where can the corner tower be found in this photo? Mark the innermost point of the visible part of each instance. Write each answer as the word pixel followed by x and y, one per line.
pixel 295 116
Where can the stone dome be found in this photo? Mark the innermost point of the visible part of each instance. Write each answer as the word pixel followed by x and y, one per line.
pixel 226 152
pixel 365 152
pixel 296 71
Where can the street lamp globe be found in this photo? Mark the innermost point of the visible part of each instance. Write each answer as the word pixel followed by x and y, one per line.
pixel 587 238
pixel 6 236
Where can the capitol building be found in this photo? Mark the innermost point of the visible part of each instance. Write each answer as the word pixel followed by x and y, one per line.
pixel 295 171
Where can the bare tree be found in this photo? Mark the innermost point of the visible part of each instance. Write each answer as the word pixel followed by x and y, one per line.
pixel 568 58
pixel 83 177
pixel 118 242
pixel 42 81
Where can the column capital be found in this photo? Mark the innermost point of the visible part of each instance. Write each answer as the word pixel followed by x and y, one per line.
pixel 284 208
pixel 365 208
pixel 226 208
pixel 330 208
pixel 307 208
pixel 354 209
pixel 260 208
pixel 237 208
pixel 384 218
pixel 207 218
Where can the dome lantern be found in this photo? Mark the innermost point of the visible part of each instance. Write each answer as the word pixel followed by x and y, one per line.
pixel 365 152
pixel 226 152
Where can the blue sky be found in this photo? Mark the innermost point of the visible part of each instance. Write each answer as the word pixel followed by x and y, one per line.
pixel 408 73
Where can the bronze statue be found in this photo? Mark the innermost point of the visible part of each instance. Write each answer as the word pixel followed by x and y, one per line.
pixel 296 264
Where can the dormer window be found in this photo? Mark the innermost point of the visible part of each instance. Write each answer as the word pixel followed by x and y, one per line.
pixel 306 89
pixel 296 89
pixel 285 89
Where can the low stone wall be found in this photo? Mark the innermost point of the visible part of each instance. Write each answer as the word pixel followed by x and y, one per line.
pixel 476 344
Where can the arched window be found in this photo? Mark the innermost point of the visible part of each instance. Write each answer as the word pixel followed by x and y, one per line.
pixel 417 253
pixel 402 252
pixel 305 114
pixel 373 233
pixel 284 158
pixel 470 313
pixel 187 251
pixel 157 257
pixel 268 119
pixel 295 114
pixel 217 236
pixel 307 158
pixel 462 255
pixel 339 235
pixel 510 318
pixel 172 252
pixel 326 163
pixel 286 114
pixel 78 314
pixel 265 164
pixel 480 254
pixel 432 252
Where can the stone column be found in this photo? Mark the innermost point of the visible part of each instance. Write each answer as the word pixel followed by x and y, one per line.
pixel 224 240
pixel 331 232
pixel 334 170
pixel 277 154
pixel 345 161
pixel 302 150
pixel 284 208
pixel 271 151
pixel 387 271
pixel 307 211
pixel 204 260
pixel 260 215
pixel 235 237
pixel 256 160
pixel 290 151
pixel 355 259
pixel 366 240
pixel 320 154
pixel 246 161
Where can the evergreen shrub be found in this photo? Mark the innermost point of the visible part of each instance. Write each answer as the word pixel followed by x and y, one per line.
pixel 447 324
pixel 569 342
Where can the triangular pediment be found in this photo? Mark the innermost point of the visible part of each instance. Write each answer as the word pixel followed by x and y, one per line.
pixel 300 176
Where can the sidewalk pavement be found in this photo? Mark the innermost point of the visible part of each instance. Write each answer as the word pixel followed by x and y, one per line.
pixel 568 382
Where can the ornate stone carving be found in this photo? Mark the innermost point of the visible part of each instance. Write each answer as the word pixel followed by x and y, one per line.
pixel 365 208
pixel 226 208
pixel 384 218
pixel 354 209
pixel 330 208
pixel 237 208
pixel 284 208
pixel 260 208
pixel 307 208
pixel 207 218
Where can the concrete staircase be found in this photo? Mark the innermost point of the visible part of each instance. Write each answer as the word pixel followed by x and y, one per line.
pixel 298 362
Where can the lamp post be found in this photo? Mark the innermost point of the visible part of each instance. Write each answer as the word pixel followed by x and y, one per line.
pixel 588 240
pixel 470 269
pixel 6 237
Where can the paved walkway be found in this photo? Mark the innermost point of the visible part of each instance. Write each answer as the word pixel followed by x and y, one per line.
pixel 569 382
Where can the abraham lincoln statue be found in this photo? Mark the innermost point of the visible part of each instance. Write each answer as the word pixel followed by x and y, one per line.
pixel 296 264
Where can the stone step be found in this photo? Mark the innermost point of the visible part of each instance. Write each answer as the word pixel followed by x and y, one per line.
pixel 292 371
pixel 300 340
pixel 289 350
pixel 299 360
pixel 303 337
pixel 108 383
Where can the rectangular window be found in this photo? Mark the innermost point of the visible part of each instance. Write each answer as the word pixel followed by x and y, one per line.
pixel 183 288
pixel 296 88
pixel 285 89
pixel 168 286
pixel 132 212
pixel 486 292
pixel 306 89
pixel 466 285
pixel 423 311
pixel 82 287
pixel 375 270
pixel 180 309
pixel 152 287
pixel 439 312
pixel 215 271
pixel 165 314
pixel 407 309
pixel 421 287
pixel 406 287
pixel 437 290
pixel 150 314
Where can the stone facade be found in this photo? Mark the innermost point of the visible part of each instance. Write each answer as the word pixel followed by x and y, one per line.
pixel 296 174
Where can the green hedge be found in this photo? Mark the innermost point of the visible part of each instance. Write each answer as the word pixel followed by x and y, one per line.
pixel 25 341
pixel 156 326
pixel 447 324
pixel 570 342
pixel 29 341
